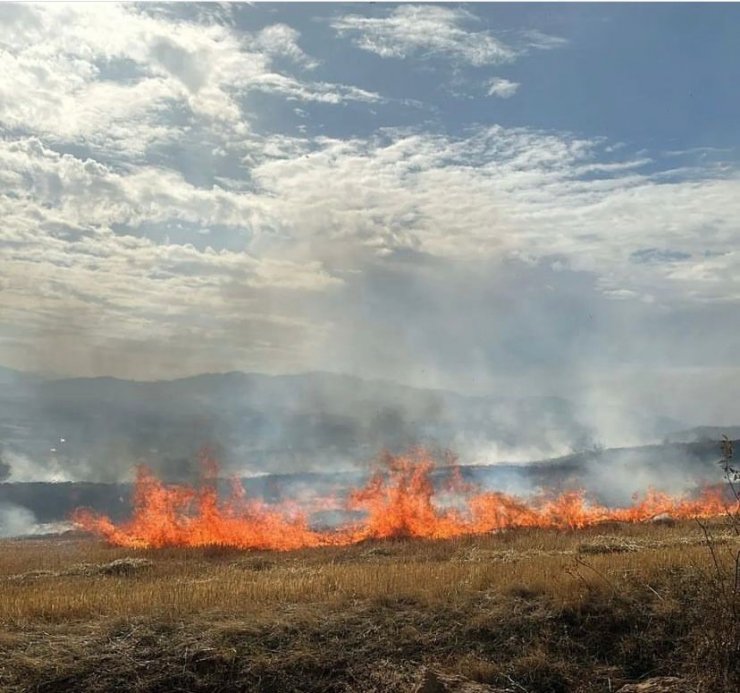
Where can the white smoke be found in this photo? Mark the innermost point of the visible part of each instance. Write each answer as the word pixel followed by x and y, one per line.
pixel 16 520
pixel 24 469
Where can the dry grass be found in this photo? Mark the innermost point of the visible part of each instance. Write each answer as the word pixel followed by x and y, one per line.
pixel 547 610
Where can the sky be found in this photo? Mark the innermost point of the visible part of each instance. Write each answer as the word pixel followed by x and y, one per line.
pixel 521 199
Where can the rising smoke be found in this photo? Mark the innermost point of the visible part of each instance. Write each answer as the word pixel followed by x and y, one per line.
pixel 16 520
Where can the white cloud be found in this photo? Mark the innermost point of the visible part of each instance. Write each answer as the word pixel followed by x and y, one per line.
pixel 423 31
pixel 533 38
pixel 110 246
pixel 517 193
pixel 324 214
pixel 119 77
pixel 72 245
pixel 503 88
pixel 69 269
pixel 322 92
pixel 282 40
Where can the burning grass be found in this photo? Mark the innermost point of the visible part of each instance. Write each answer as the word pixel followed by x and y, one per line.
pixel 529 609
pixel 399 500
pixel 547 595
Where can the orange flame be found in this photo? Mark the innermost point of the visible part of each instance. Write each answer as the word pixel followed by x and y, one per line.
pixel 397 501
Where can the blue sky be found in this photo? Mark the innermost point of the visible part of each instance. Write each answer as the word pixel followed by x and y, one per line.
pixel 525 199
pixel 676 65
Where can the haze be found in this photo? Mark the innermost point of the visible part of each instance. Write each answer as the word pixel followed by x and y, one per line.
pixel 510 200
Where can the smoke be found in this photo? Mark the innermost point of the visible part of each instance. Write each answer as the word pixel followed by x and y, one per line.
pixel 98 430
pixel 4 466
pixel 536 349
pixel 16 520
pixel 574 296
pixel 616 475
pixel 72 443
pixel 23 468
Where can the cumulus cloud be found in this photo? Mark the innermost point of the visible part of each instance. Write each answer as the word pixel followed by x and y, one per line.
pixel 499 195
pixel 282 40
pixel 75 269
pixel 516 192
pixel 120 77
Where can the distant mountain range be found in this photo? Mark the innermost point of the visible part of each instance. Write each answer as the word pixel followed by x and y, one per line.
pixel 74 442
pixel 96 429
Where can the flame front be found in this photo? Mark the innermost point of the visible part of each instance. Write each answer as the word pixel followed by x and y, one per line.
pixel 399 500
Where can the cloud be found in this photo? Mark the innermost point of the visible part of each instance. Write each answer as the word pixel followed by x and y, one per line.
pixel 122 78
pixel 282 40
pixel 516 193
pixel 78 258
pixel 533 38
pixel 425 31
pixel 77 273
pixel 156 222
pixel 322 92
pixel 503 88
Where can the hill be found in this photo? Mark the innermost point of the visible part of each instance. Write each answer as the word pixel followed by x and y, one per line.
pixel 96 429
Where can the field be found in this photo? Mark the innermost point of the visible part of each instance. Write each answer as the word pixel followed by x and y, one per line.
pixel 522 610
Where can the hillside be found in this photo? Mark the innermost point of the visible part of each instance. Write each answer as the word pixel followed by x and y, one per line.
pixel 96 429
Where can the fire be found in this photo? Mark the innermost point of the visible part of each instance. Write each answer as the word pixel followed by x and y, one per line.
pixel 399 500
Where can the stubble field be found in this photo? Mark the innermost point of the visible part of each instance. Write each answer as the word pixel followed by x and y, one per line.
pixel 522 610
